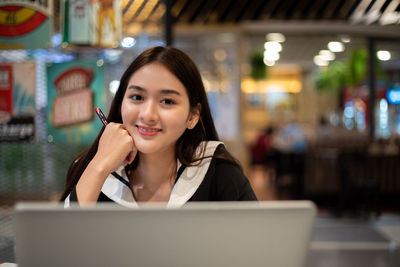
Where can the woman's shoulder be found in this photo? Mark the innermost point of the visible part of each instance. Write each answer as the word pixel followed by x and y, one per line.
pixel 225 168
pixel 223 158
pixel 228 178
pixel 224 180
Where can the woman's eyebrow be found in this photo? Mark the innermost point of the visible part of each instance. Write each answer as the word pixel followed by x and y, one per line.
pixel 162 91
pixel 135 87
pixel 169 91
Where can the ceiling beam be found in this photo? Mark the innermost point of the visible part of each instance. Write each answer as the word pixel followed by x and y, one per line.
pixel 219 10
pixel 227 11
pixel 192 10
pixel 207 10
pixel 285 9
pixel 252 10
pixel 178 8
pixel 132 10
pixel 331 9
pixel 348 8
pixel 268 8
pixel 315 9
pixel 238 8
pixel 301 8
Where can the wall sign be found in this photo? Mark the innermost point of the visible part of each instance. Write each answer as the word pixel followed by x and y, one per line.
pixel 74 90
pixel 17 101
pixel 25 24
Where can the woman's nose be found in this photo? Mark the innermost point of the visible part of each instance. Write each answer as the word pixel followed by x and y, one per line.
pixel 149 112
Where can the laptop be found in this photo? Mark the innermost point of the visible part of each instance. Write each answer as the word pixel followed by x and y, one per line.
pixel 198 234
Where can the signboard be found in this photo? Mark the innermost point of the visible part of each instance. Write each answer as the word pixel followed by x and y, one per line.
pixel 17 101
pixel 92 22
pixel 25 24
pixel 74 103
pixel 74 90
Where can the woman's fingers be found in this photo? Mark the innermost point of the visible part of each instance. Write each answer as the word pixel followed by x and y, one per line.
pixel 116 147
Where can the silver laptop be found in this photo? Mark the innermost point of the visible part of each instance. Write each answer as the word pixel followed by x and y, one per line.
pixel 199 234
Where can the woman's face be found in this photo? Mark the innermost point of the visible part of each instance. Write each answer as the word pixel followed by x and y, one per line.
pixel 155 109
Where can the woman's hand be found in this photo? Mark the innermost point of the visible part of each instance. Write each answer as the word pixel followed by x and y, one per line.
pixel 116 148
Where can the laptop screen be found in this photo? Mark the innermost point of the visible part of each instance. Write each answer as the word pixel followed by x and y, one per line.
pixel 199 234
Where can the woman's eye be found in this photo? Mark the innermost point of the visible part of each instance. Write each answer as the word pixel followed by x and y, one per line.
pixel 136 97
pixel 168 101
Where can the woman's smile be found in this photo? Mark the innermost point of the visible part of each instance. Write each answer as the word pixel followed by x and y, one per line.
pixel 148 131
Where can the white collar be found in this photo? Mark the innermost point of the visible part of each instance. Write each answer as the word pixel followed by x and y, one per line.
pixel 183 190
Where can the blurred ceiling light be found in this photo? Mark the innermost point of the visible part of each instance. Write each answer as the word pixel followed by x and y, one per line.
pixel 345 39
pixel 128 42
pixel 327 55
pixel 271 55
pixel 113 87
pixel 220 54
pixel 269 63
pixel 319 61
pixel 336 46
pixel 273 46
pixel 275 37
pixel 383 55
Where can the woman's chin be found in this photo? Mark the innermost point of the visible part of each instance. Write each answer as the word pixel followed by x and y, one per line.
pixel 147 148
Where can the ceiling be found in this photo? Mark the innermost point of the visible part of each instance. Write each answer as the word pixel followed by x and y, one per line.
pixel 148 15
pixel 297 19
pixel 231 11
pixel 308 24
pixel 210 12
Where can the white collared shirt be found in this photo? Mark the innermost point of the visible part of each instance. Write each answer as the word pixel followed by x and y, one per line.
pixel 183 190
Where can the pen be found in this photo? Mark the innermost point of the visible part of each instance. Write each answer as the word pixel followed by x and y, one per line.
pixel 101 116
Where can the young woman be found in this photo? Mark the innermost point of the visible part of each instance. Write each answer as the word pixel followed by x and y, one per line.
pixel 160 145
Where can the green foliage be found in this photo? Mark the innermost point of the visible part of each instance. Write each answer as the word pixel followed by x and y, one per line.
pixel 333 78
pixel 357 66
pixel 258 68
pixel 350 72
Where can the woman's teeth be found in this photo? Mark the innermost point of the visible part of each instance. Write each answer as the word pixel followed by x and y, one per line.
pixel 149 130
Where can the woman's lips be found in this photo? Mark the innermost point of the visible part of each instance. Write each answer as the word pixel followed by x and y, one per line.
pixel 147 130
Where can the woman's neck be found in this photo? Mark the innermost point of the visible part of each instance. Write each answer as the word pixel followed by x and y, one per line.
pixel 154 177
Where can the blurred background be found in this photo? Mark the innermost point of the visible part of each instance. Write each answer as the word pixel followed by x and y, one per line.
pixel 306 94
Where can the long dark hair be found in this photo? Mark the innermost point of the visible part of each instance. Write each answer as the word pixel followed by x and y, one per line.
pixel 178 63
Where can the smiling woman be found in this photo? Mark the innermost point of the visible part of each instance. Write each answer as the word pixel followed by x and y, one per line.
pixel 161 143
pixel 158 107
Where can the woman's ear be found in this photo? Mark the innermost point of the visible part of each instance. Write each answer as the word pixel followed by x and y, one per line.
pixel 194 117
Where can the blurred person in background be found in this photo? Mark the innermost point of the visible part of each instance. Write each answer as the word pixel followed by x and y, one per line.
pixel 290 143
pixel 261 150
